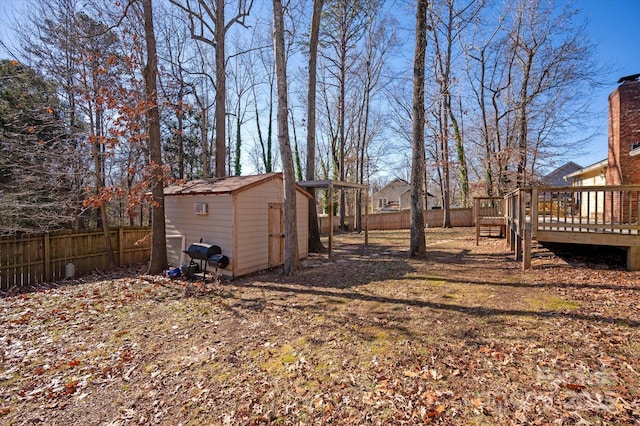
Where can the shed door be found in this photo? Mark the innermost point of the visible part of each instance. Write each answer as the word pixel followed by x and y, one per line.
pixel 276 234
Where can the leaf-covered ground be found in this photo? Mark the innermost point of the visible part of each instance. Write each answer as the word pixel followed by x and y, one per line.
pixel 462 338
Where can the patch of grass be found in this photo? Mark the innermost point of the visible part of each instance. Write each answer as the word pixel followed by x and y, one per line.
pixel 277 362
pixel 11 381
pixel 553 303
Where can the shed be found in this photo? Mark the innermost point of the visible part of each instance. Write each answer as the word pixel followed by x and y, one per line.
pixel 243 215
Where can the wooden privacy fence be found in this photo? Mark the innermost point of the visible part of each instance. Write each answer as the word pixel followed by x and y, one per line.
pixel 35 258
pixel 402 219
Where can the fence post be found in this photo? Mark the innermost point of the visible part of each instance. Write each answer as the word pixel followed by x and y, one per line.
pixel 526 256
pixel 476 214
pixel 121 246
pixel 46 257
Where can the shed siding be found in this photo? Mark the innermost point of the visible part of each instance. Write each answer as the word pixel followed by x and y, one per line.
pixel 214 228
pixel 252 221
pixel 302 204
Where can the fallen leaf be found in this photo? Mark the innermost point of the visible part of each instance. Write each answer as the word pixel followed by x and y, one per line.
pixel 574 386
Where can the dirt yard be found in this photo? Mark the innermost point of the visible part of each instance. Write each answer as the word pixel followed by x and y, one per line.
pixel 462 338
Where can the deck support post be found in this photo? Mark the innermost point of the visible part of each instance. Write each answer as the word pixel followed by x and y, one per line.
pixel 476 212
pixel 518 247
pixel 526 256
pixel 633 258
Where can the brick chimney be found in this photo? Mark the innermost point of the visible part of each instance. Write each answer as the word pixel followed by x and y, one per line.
pixel 624 133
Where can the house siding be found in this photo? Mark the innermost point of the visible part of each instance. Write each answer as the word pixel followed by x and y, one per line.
pixel 390 195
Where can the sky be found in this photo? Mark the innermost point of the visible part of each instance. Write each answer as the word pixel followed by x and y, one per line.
pixel 614 26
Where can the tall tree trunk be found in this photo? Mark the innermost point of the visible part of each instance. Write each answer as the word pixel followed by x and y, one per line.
pixel 180 118
pixel 96 152
pixel 446 172
pixel 204 140
pixel 462 161
pixel 296 152
pixel 221 90
pixel 418 239
pixel 315 245
pixel 291 255
pixel 237 165
pixel 158 260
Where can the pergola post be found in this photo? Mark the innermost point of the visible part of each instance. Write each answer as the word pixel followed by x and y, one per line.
pixel 330 250
pixel 330 185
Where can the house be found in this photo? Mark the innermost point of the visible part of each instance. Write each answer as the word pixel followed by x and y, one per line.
pixel 624 133
pixel 620 167
pixel 557 177
pixel 394 196
pixel 243 215
pixel 593 175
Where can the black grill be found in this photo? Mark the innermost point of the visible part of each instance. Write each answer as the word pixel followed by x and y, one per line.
pixel 203 254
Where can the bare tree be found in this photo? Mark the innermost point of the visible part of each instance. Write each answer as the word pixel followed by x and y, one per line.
pixel 209 25
pixel 315 245
pixel 344 25
pixel 379 41
pixel 448 19
pixel 158 260
pixel 291 255
pixel 418 239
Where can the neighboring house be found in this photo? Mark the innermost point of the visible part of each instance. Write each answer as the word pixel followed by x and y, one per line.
pixel 593 175
pixel 557 177
pixel 243 215
pixel 389 197
pixel 620 167
pixel 394 196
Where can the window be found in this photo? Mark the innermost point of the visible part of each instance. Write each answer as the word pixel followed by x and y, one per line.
pixel 201 209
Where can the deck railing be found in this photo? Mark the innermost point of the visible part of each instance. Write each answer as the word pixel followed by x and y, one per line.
pixel 489 212
pixel 598 209
pixel 488 207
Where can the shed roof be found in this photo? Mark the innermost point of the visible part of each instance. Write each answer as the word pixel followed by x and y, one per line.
pixel 224 185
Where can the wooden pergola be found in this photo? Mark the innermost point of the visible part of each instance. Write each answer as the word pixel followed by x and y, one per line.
pixel 332 185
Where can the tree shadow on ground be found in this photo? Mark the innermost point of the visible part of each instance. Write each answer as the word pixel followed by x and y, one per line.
pixel 479 311
pixel 337 279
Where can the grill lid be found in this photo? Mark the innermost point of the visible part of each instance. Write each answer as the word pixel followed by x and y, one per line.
pixel 202 251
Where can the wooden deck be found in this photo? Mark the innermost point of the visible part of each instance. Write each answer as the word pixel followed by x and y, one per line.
pixel 605 215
